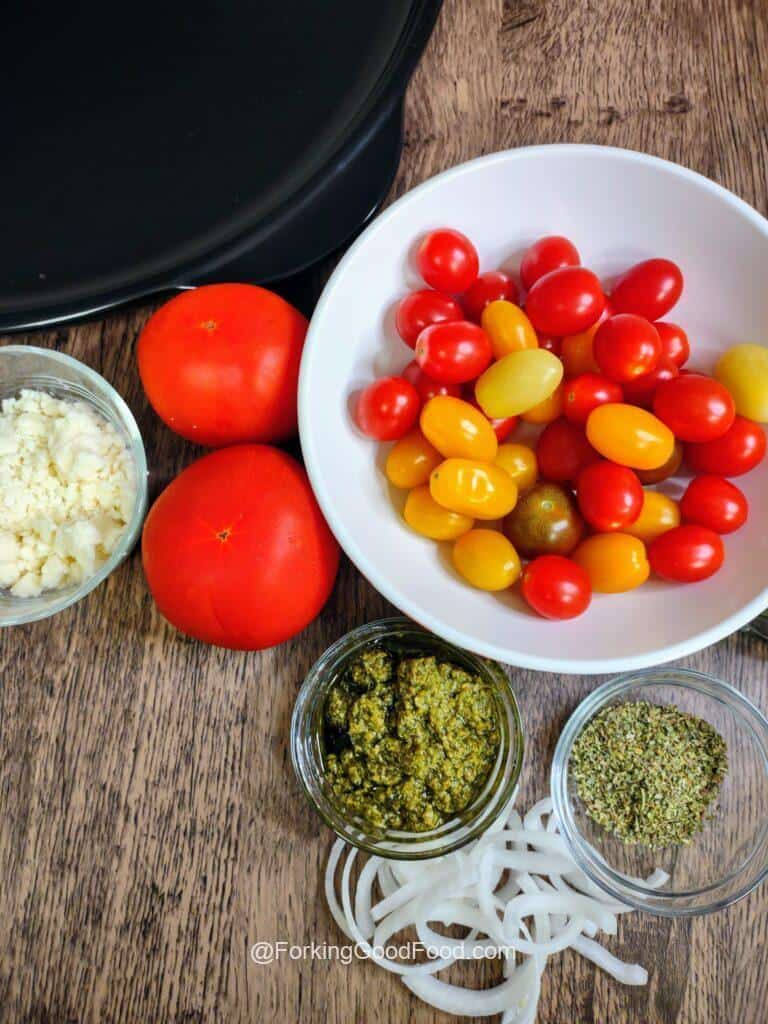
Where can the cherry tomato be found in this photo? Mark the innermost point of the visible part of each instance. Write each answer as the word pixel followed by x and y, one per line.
pixel 411 461
pixel 425 516
pixel 659 514
pixel 545 521
pixel 478 489
pixel 453 353
pixel 648 289
pixel 585 392
pixel 517 382
pixel 743 370
pixel 686 554
pixel 714 502
pixel 563 451
pixel 553 345
pixel 577 353
pixel 422 309
pixel 694 407
pixel 740 449
pixel 486 559
pixel 549 253
pixel 548 410
pixel 447 261
pixel 458 430
pixel 565 301
pixel 556 587
pixel 630 436
pixel 666 470
pixel 426 387
pixel 674 342
pixel 491 286
pixel 519 461
pixel 610 496
pixel 508 328
pixel 641 390
pixel 387 409
pixel 626 346
pixel 614 562
pixel 503 427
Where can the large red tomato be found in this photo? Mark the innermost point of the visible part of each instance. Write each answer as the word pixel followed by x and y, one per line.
pixel 220 364
pixel 236 551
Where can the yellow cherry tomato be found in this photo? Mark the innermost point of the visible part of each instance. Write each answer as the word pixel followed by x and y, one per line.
pixel 486 559
pixel 658 514
pixel 477 489
pixel 576 353
pixel 614 562
pixel 458 430
pixel 508 327
pixel 630 436
pixel 425 516
pixel 518 382
pixel 519 461
pixel 411 460
pixel 744 371
pixel 548 410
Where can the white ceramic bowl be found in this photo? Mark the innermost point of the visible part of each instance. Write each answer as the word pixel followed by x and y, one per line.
pixel 618 207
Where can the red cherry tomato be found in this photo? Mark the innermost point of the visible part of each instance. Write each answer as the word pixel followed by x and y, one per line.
pixel 565 301
pixel 556 587
pixel 453 353
pixel 626 346
pixel 674 342
pixel 553 345
pixel 421 309
pixel 387 409
pixel 447 261
pixel 426 387
pixel 740 449
pixel 489 287
pixel 549 253
pixel 584 393
pixel 563 451
pixel 610 496
pixel 694 407
pixel 714 502
pixel 641 390
pixel 686 554
pixel 648 289
pixel 502 428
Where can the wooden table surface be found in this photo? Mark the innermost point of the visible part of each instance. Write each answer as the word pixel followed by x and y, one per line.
pixel 151 829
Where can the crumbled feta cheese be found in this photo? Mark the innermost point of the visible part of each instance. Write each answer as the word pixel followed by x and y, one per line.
pixel 67 491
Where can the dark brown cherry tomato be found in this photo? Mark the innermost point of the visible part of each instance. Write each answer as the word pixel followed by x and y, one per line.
pixel 447 261
pixel 641 390
pixel 686 554
pixel 584 393
pixel 610 496
pixel 663 472
pixel 714 502
pixel 544 521
pixel 421 309
pixel 694 407
pixel 387 409
pixel 426 387
pixel 563 451
pixel 626 346
pixel 549 253
pixel 489 287
pixel 740 449
pixel 674 342
pixel 453 353
pixel 556 587
pixel 648 289
pixel 565 301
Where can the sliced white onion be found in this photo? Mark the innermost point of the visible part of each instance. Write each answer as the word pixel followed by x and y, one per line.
pixel 516 992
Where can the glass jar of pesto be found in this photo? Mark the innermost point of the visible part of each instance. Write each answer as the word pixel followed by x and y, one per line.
pixel 406 746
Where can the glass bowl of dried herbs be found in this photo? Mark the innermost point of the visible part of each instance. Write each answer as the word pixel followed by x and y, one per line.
pixel 660 783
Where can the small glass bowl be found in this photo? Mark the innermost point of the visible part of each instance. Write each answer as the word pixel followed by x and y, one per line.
pixel 721 864
pixel 404 637
pixel 25 366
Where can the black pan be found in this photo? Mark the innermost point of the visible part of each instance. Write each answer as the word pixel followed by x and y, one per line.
pixel 155 145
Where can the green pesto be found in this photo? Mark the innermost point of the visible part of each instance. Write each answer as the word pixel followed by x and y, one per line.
pixel 410 741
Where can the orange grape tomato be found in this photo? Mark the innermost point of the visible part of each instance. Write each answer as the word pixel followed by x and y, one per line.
pixel 614 562
pixel 518 382
pixel 630 436
pixel 472 488
pixel 519 461
pixel 576 353
pixel 548 410
pixel 508 327
pixel 486 559
pixel 458 430
pixel 411 460
pixel 658 514
pixel 425 516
